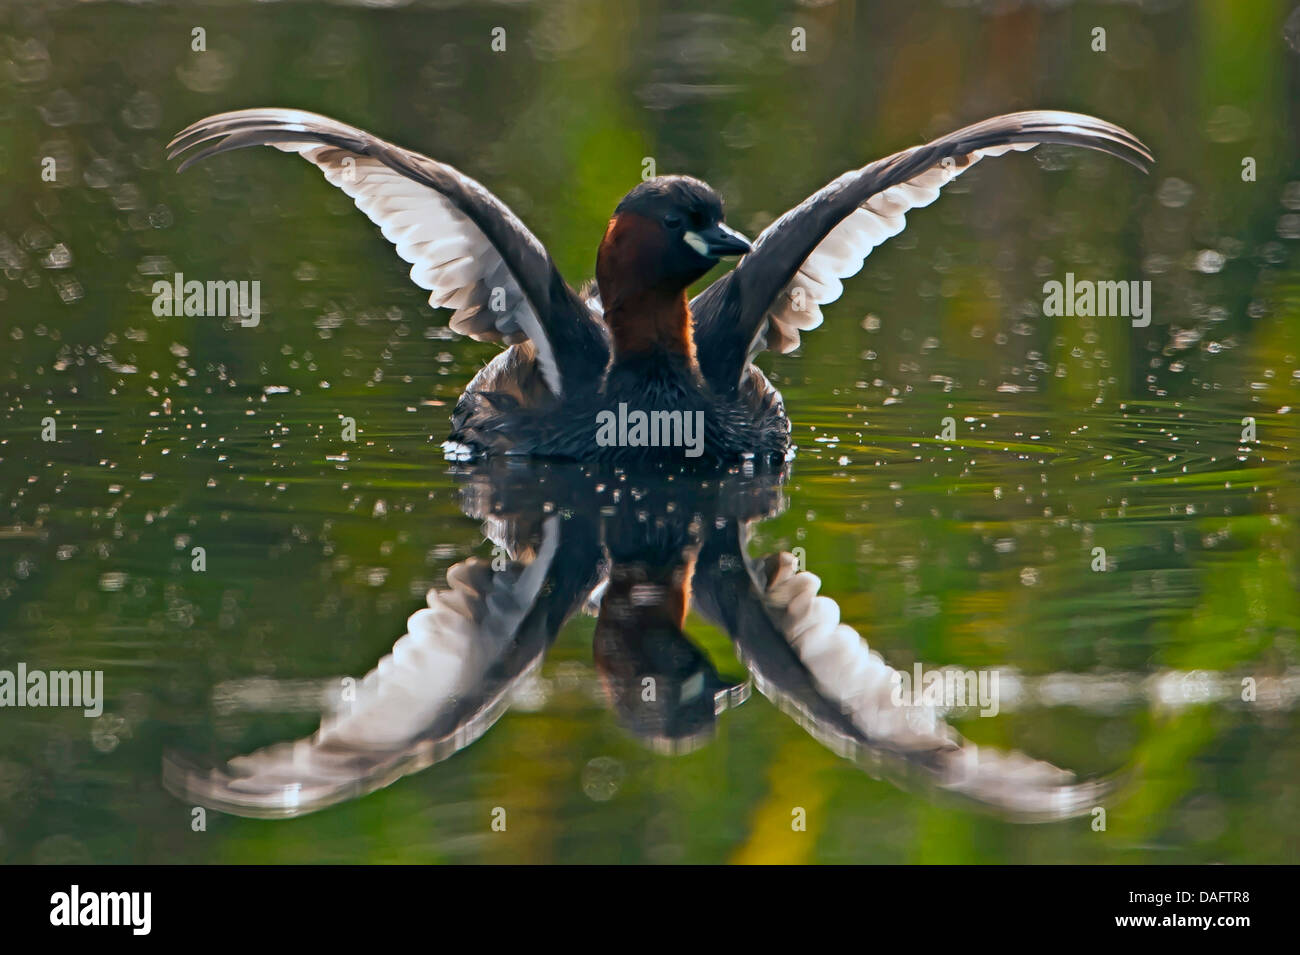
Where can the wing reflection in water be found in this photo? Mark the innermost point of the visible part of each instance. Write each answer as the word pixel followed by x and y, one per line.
pixel 639 554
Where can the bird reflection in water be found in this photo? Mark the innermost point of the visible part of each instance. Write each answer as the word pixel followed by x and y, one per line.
pixel 639 554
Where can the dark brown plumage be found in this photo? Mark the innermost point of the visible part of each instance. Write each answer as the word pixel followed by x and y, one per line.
pixel 637 343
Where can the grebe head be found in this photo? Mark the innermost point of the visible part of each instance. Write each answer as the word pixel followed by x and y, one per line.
pixel 665 234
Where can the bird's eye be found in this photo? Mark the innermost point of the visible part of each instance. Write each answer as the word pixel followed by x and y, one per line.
pixel 673 222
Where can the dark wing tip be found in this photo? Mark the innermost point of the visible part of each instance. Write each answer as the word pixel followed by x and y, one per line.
pixel 1076 129
pixel 262 127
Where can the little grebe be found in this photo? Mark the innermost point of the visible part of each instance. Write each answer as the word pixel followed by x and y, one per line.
pixel 629 371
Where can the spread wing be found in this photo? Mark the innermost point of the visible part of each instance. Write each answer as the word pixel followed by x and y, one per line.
pixel 823 674
pixel 798 262
pixel 464 245
pixel 446 682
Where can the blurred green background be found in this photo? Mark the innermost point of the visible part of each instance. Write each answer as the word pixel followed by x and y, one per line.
pixel 1073 433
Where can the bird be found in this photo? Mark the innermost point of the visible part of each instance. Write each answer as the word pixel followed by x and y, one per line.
pixel 630 370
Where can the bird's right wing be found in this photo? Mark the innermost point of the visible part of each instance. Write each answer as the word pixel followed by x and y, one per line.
pixel 464 245
pixel 823 674
pixel 797 263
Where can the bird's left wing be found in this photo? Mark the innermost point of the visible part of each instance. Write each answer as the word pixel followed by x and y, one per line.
pixel 464 245
pixel 446 682
pixel 797 263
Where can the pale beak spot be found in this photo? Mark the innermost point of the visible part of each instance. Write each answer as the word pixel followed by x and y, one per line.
pixel 697 243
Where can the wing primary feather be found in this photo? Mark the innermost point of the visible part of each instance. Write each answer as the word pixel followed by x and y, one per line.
pixel 798 262
pixel 416 201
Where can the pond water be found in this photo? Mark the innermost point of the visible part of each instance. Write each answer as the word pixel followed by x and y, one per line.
pixel 1102 515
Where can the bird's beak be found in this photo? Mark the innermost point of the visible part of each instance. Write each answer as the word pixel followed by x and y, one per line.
pixel 718 240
